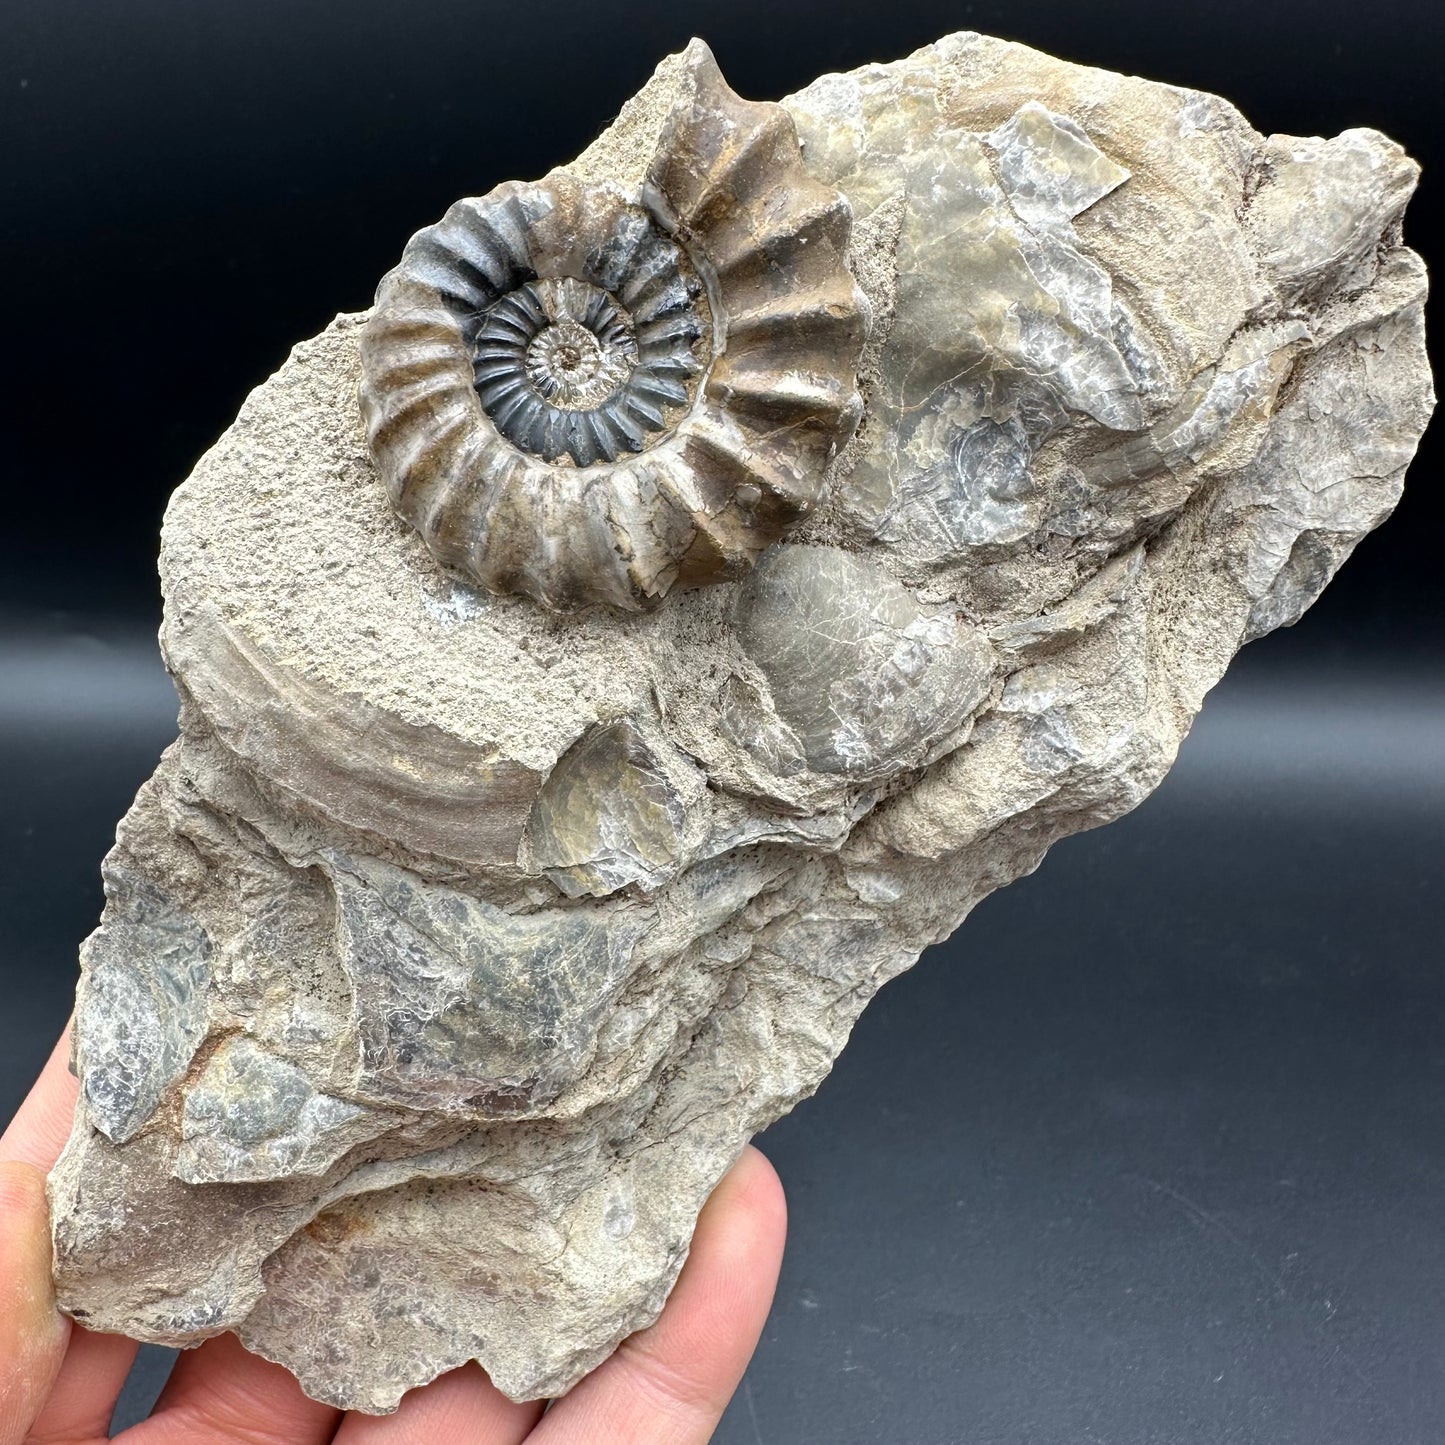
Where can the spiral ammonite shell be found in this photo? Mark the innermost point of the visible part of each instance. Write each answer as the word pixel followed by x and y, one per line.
pixel 586 396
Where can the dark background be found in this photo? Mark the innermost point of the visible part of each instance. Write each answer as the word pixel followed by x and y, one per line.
pixel 1154 1149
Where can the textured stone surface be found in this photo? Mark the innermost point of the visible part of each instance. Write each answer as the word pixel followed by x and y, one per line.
pixel 455 949
pixel 864 680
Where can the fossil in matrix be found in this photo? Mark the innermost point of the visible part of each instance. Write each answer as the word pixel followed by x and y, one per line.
pixel 586 393
pixel 706 573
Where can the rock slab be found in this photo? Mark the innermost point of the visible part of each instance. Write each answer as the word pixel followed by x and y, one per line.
pixel 456 948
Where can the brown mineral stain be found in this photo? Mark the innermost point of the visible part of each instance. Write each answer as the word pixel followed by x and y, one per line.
pixel 335 1226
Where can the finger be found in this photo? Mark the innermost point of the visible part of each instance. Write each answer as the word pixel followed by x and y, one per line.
pixel 86 1389
pixel 41 1125
pixel 462 1405
pixel 669 1385
pixel 33 1333
pixel 83 1380
pixel 222 1392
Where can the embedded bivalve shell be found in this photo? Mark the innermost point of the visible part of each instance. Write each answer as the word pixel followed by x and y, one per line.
pixel 585 396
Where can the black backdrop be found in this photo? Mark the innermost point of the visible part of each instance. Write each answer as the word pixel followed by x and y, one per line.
pixel 1153 1150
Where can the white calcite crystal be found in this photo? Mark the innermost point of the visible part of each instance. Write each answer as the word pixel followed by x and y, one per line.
pixel 458 945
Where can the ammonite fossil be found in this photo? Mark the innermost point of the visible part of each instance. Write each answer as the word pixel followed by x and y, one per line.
pixel 587 396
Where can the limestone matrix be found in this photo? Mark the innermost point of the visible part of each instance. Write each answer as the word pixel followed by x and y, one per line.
pixel 457 946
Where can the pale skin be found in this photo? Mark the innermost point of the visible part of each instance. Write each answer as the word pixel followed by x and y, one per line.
pixel 666 1385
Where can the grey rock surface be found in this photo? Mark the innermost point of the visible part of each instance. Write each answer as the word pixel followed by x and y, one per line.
pixel 867 681
pixel 456 948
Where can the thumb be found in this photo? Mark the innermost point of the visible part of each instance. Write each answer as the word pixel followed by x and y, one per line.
pixel 33 1333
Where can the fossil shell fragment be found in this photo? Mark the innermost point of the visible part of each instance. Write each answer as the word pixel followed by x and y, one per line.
pixel 867 679
pixel 621 807
pixel 585 396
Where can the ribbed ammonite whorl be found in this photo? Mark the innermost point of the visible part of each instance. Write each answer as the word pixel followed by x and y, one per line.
pixel 587 396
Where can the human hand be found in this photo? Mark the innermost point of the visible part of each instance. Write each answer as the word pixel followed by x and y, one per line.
pixel 666 1385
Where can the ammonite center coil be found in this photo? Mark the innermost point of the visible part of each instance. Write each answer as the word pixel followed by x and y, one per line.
pixel 585 396
pixel 589 366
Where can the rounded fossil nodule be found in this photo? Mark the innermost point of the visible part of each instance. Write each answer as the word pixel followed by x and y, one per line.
pixel 587 396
